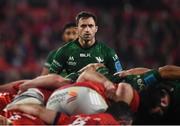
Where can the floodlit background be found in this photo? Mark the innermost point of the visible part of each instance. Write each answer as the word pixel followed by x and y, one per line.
pixel 144 33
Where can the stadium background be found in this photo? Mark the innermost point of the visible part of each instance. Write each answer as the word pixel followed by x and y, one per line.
pixel 144 33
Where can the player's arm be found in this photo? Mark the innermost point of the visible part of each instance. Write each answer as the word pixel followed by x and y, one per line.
pixel 169 72
pixel 96 77
pixel 92 67
pixel 44 114
pixel 12 87
pixel 50 81
pixel 48 62
pixel 113 63
pixel 58 62
pixel 134 71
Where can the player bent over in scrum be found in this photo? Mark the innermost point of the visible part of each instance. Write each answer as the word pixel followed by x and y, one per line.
pixel 33 95
pixel 117 114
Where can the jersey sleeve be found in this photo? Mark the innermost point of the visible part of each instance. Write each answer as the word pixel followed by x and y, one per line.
pixel 113 62
pixel 151 77
pixel 140 81
pixel 49 59
pixel 58 62
pixel 73 76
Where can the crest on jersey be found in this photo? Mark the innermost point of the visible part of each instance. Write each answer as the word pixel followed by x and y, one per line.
pixel 71 58
pixel 99 59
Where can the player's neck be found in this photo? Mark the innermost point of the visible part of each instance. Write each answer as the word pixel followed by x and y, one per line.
pixel 85 44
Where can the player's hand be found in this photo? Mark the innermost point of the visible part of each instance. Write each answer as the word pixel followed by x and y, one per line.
pixel 24 86
pixel 110 89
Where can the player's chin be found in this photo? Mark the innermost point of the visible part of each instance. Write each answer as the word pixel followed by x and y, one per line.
pixel 87 38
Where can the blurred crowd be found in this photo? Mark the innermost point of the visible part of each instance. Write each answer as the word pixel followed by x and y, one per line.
pixel 30 29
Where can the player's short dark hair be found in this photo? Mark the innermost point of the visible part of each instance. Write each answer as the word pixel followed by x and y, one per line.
pixel 85 14
pixel 69 25
pixel 120 111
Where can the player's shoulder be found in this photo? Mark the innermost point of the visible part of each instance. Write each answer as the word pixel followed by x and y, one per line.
pixel 103 44
pixel 69 44
pixel 66 46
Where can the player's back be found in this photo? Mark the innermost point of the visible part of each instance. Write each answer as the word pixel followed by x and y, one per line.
pixel 91 119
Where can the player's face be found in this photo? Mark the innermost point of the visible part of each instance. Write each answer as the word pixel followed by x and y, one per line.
pixel 70 34
pixel 87 28
pixel 163 106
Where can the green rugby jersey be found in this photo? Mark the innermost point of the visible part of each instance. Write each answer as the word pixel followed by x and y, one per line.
pixel 72 57
pixel 49 60
pixel 139 82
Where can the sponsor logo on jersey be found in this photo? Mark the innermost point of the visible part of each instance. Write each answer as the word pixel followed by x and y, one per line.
pixel 71 61
pixel 118 66
pixel 99 59
pixel 150 79
pixel 140 83
pixel 85 55
pixel 57 98
pixel 115 57
pixel 73 96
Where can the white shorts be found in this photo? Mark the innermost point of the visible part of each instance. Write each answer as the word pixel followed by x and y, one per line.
pixel 32 95
pixel 75 100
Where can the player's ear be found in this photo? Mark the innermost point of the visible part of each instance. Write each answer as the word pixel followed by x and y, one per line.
pixel 96 28
pixel 164 100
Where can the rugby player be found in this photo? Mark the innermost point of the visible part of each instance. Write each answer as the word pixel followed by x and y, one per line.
pixel 86 49
pixel 69 33
pixel 33 114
